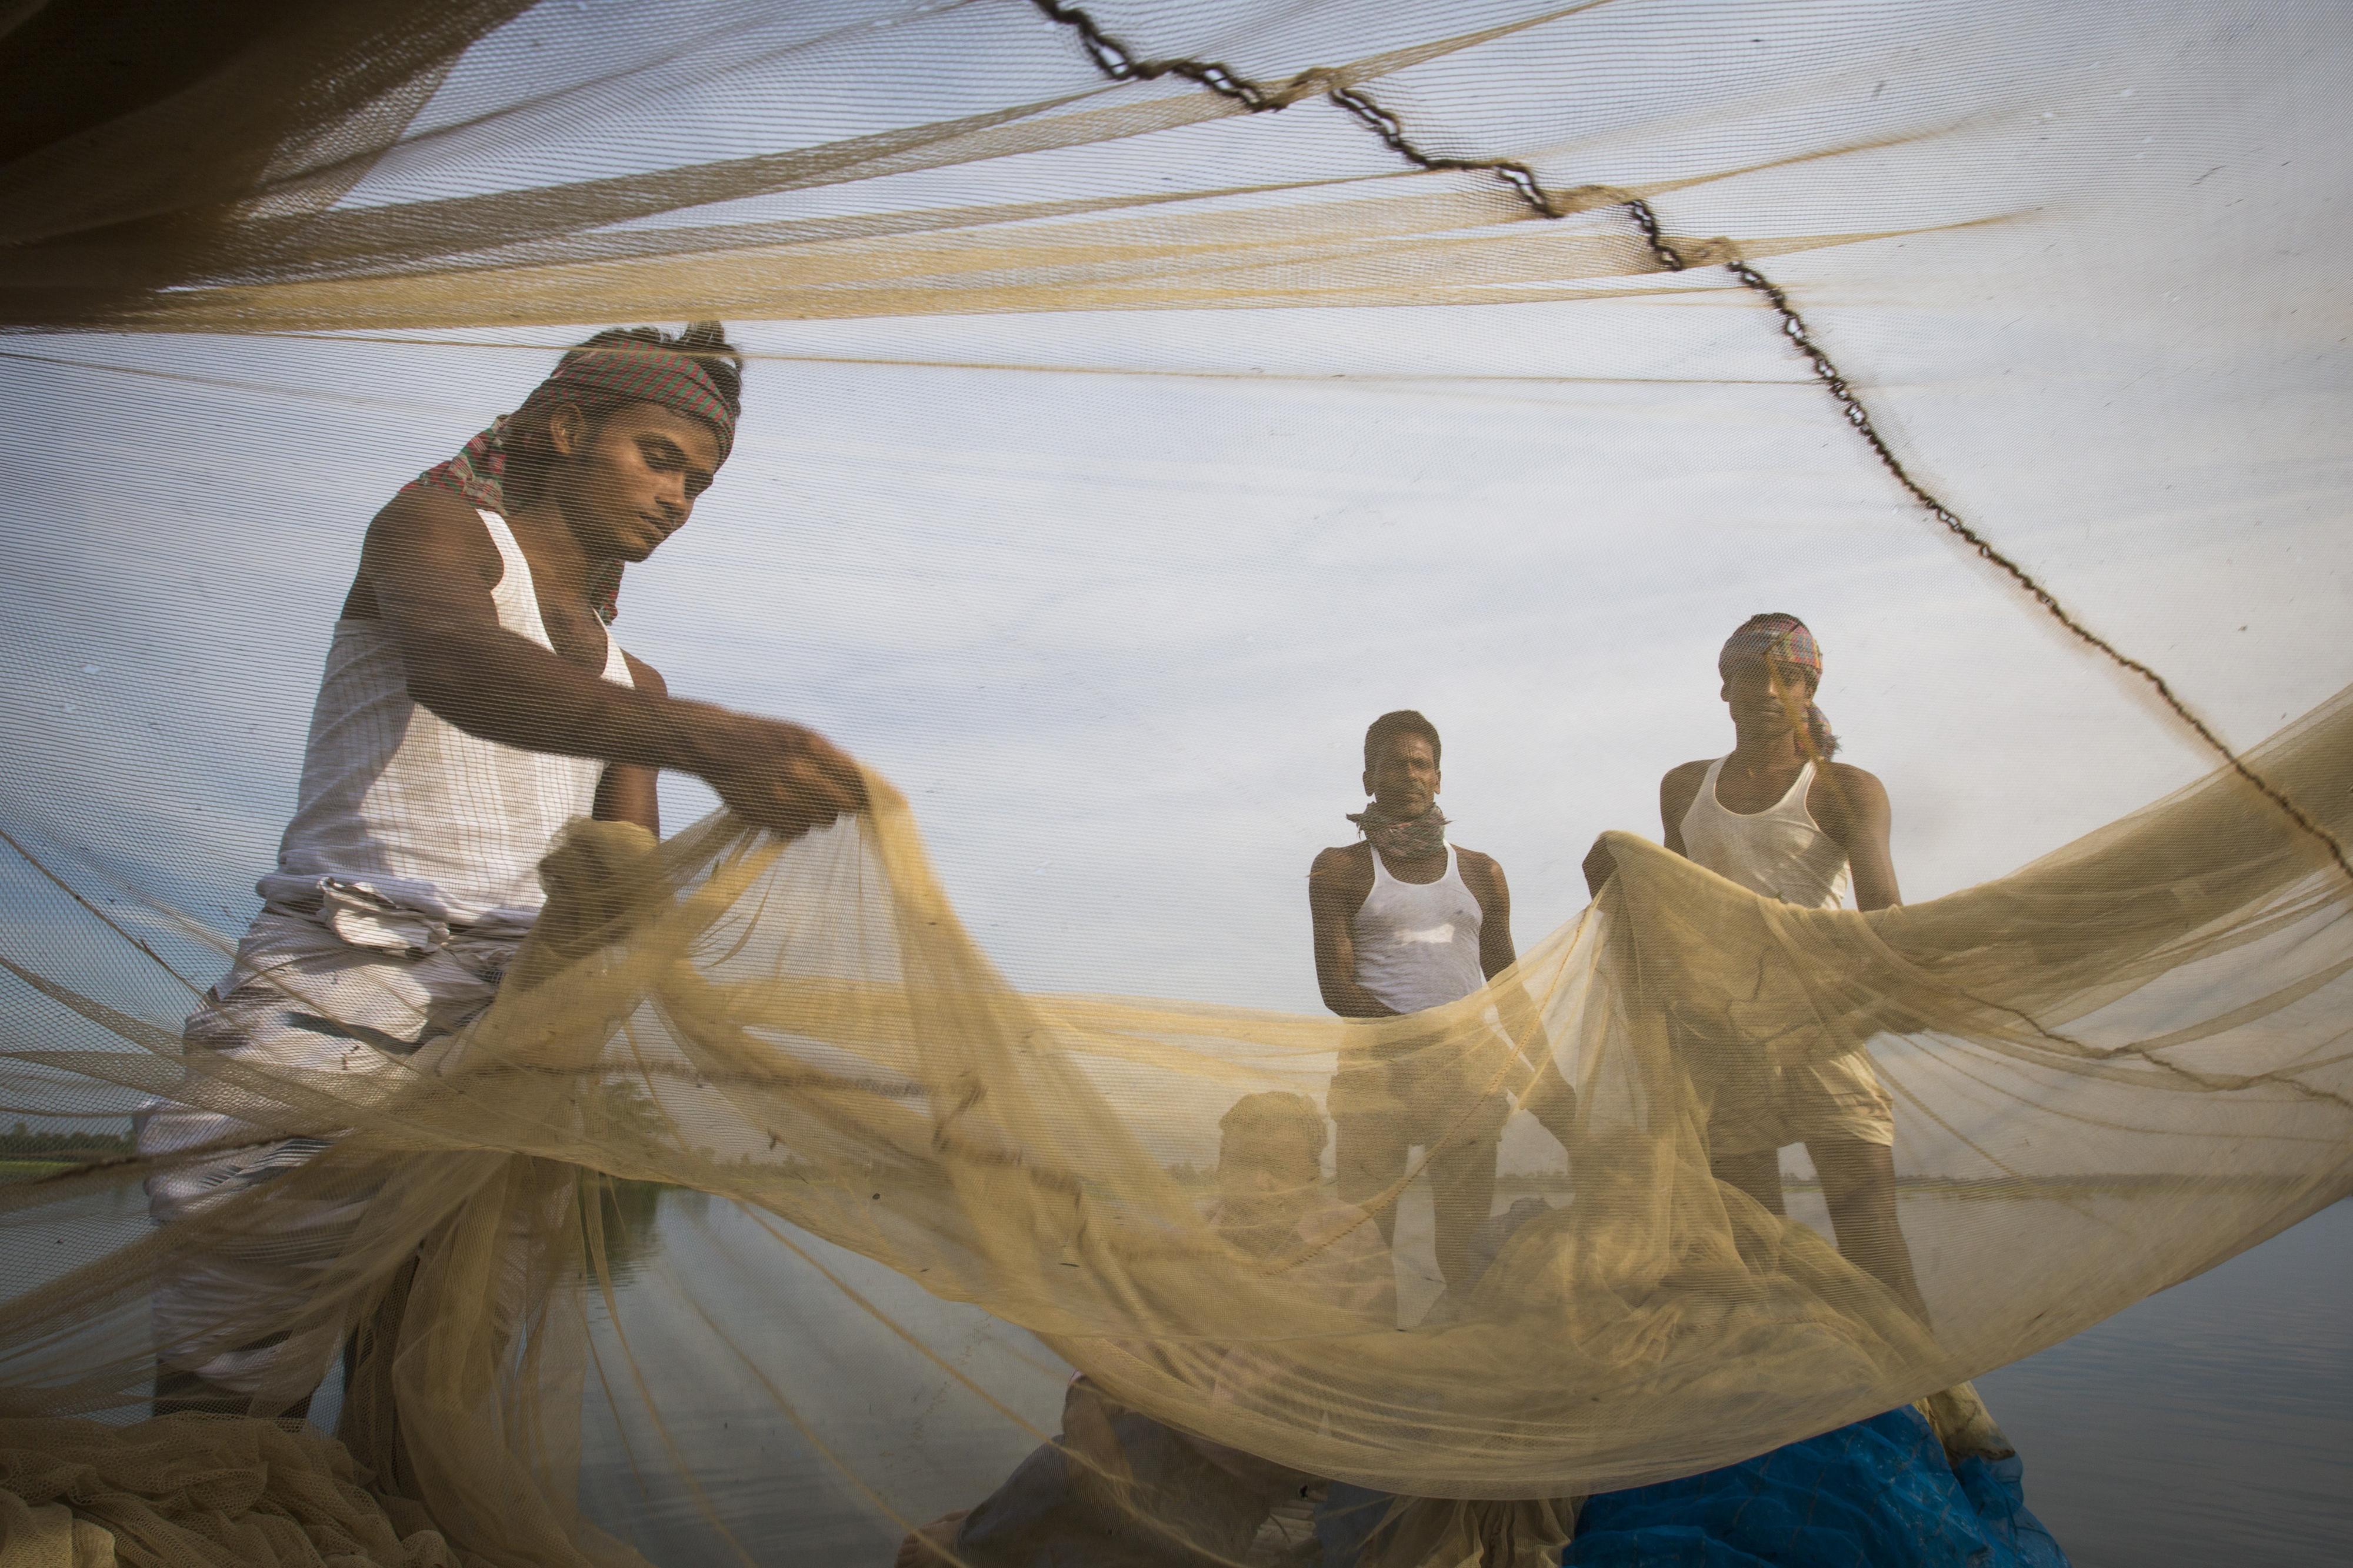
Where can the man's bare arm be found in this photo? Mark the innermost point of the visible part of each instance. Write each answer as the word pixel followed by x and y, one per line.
pixel 1676 792
pixel 424 569
pixel 1337 887
pixel 626 793
pixel 430 594
pixel 1485 879
pixel 1537 1084
pixel 1851 806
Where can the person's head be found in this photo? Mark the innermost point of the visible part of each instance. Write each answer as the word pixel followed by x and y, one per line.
pixel 1771 667
pixel 1270 1156
pixel 627 435
pixel 1401 752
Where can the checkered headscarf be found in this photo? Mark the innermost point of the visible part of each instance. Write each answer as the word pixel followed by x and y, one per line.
pixel 640 373
pixel 1787 641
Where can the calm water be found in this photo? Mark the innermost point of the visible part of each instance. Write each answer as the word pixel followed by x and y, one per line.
pixel 2211 1424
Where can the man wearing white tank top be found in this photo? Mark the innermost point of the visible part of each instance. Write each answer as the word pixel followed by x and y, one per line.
pixel 1781 818
pixel 472 704
pixel 1404 921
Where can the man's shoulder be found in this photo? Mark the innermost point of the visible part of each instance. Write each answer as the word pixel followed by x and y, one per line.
pixel 1853 777
pixel 1344 871
pixel 1681 786
pixel 1340 858
pixel 1686 775
pixel 1477 864
pixel 644 676
pixel 427 527
pixel 1847 795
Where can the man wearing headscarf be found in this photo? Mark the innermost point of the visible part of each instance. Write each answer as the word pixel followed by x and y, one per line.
pixel 472 704
pixel 1780 817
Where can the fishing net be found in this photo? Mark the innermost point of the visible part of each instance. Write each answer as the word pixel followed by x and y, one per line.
pixel 1140 399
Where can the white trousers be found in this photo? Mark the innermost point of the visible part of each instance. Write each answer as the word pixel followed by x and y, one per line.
pixel 310 994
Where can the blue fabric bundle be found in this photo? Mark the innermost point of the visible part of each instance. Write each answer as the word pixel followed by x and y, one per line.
pixel 1878 1494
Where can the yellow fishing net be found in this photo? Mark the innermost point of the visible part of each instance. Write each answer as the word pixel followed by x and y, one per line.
pixel 1133 530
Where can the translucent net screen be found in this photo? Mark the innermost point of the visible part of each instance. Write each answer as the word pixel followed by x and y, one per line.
pixel 1222 422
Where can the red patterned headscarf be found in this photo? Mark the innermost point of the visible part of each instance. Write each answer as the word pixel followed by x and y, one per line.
pixel 640 373
pixel 1788 642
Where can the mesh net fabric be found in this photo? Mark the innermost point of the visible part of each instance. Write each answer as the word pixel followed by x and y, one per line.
pixel 929 1190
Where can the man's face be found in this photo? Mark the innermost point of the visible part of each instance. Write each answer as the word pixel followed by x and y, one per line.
pixel 1403 779
pixel 629 480
pixel 1768 698
pixel 1265 1175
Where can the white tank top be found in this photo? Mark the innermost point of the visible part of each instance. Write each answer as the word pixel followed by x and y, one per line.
pixel 1779 851
pixel 412 809
pixel 1418 943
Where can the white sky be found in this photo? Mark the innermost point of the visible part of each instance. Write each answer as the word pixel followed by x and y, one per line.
pixel 1118 634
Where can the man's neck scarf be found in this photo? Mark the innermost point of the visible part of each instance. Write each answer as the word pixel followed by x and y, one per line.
pixel 1787 642
pixel 1403 837
pixel 674 381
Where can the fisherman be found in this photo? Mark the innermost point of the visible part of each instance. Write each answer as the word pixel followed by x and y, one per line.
pixel 1406 922
pixel 1781 818
pixel 1118 1490
pixel 473 703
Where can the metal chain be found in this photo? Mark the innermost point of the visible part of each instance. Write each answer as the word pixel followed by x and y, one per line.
pixel 1121 63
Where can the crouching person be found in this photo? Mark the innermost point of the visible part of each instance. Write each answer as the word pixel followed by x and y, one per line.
pixel 1118 1490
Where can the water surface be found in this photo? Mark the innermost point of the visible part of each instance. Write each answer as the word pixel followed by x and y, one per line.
pixel 2210 1425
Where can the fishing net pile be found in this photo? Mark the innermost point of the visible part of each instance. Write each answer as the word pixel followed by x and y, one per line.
pixel 1813 278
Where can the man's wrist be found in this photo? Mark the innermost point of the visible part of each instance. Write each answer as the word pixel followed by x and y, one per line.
pixel 687 736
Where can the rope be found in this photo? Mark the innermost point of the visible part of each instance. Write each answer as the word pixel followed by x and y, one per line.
pixel 1121 63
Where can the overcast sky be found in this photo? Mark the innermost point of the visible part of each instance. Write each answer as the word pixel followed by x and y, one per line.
pixel 1113 596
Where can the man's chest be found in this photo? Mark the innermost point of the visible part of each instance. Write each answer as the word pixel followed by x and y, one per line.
pixel 575 634
pixel 1747 794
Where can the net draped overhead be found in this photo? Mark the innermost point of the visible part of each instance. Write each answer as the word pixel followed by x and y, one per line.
pixel 1260 363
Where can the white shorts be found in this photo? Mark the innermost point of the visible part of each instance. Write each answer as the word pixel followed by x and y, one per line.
pixel 1811 1102
pixel 300 1000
